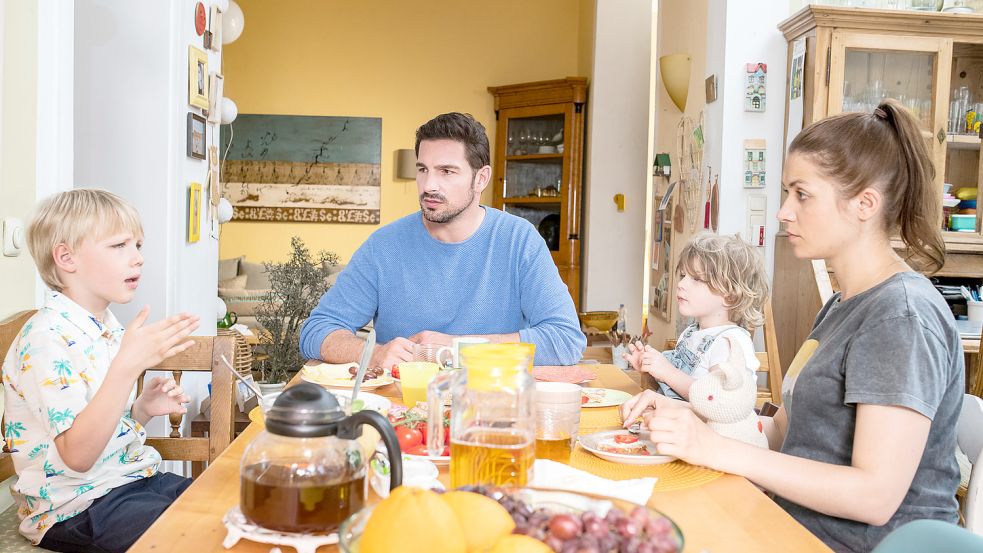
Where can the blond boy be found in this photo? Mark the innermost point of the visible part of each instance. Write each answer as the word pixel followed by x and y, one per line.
pixel 85 479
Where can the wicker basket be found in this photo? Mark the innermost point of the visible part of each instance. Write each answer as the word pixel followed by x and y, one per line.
pixel 244 354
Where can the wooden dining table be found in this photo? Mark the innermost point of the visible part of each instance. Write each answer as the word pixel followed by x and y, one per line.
pixel 727 514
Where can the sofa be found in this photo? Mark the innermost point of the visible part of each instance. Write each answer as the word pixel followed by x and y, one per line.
pixel 243 284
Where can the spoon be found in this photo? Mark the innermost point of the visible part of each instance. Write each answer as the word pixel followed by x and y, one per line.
pixel 363 364
pixel 249 383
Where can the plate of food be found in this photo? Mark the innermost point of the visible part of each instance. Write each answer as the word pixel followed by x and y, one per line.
pixel 366 400
pixel 572 374
pixel 411 431
pixel 343 376
pixel 621 446
pixel 602 397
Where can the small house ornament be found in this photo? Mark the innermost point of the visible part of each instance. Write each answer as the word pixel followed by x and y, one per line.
pixel 754 90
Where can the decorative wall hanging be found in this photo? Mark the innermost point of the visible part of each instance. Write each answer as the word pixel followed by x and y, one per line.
pixel 754 87
pixel 689 160
pixel 754 163
pixel 216 89
pixel 194 212
pixel 201 18
pixel 303 168
pixel 215 29
pixel 196 136
pixel 197 78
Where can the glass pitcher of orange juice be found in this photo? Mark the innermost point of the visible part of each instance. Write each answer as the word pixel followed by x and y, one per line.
pixel 493 416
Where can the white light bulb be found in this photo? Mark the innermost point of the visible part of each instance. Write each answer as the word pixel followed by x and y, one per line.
pixel 229 111
pixel 232 23
pixel 224 211
pixel 220 309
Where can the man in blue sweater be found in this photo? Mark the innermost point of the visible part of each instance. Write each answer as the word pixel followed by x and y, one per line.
pixel 454 268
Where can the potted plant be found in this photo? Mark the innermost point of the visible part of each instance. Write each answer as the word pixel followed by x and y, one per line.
pixel 296 286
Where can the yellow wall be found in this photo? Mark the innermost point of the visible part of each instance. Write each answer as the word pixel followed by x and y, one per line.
pixel 17 150
pixel 402 61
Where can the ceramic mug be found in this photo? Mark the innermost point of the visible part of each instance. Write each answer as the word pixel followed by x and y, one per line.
pixel 230 319
pixel 459 343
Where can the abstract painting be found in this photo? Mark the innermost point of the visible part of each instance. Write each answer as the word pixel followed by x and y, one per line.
pixel 303 168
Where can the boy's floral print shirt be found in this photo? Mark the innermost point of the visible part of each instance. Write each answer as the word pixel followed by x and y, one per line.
pixel 50 374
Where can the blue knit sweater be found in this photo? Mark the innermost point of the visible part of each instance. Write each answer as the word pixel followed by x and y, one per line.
pixel 498 281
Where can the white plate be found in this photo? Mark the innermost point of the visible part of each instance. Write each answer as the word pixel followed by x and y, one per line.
pixel 604 397
pixel 349 384
pixel 591 442
pixel 439 461
pixel 370 401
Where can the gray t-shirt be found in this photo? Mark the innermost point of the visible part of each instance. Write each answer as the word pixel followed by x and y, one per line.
pixel 894 344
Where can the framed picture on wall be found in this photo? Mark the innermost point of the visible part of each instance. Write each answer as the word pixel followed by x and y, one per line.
pixel 194 212
pixel 215 27
pixel 197 78
pixel 216 84
pixel 196 136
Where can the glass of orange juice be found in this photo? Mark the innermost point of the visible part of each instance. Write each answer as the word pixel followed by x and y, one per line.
pixel 415 376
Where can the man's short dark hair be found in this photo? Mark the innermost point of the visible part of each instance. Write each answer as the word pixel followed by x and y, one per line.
pixel 459 127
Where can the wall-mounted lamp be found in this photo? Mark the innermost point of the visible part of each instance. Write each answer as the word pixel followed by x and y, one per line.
pixel 232 23
pixel 675 70
pixel 229 111
pixel 405 164
pixel 224 211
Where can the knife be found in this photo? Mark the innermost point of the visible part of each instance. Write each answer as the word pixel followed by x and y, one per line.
pixel 363 364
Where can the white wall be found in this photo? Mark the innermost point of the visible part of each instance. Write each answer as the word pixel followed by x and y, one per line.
pixel 617 159
pixel 131 105
pixel 737 36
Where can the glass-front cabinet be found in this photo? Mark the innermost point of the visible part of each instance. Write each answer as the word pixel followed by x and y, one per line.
pixel 539 163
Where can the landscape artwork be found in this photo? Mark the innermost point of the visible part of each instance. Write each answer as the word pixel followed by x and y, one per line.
pixel 299 168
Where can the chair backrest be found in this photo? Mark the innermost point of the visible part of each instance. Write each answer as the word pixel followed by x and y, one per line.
pixel 9 328
pixel 976 386
pixel 204 356
pixel 970 438
pixel 770 362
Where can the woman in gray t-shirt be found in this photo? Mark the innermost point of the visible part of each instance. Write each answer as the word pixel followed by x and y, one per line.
pixel 867 431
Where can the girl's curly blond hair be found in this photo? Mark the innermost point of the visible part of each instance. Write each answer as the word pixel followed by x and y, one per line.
pixel 731 268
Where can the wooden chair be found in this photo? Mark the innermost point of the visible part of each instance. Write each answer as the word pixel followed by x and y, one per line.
pixel 974 375
pixel 768 398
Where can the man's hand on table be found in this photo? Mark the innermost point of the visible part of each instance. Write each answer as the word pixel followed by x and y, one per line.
pixel 392 353
pixel 431 337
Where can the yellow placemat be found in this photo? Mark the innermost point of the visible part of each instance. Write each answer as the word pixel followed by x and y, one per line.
pixel 672 476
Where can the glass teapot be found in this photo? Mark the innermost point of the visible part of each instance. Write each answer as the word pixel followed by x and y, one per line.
pixel 305 473
pixel 493 416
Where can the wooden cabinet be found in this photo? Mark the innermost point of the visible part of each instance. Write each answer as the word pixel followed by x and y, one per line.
pixel 538 166
pixel 854 58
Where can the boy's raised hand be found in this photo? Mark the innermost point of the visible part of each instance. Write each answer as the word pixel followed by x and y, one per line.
pixel 634 354
pixel 162 397
pixel 147 345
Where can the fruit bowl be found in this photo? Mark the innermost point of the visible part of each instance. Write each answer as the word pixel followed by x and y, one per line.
pixel 599 320
pixel 660 532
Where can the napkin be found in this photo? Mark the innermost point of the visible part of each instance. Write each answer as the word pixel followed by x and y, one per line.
pixel 550 474
pixel 242 329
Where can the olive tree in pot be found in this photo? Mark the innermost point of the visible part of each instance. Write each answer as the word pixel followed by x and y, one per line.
pixel 296 286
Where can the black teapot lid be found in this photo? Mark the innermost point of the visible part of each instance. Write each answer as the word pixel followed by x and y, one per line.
pixel 305 410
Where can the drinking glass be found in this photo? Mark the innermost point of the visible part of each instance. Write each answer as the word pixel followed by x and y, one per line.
pixel 414 377
pixel 557 419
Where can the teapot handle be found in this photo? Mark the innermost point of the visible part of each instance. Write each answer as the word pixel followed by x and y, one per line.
pixel 349 430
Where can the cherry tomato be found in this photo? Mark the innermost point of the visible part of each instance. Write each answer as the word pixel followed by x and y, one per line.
pixel 395 371
pixel 408 437
pixel 625 439
pixel 584 399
